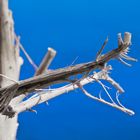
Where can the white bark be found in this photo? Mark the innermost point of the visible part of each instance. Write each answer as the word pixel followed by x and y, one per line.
pixel 10 67
pixel 48 94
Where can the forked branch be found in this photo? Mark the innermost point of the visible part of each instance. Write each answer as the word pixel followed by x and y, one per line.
pixel 45 95
pixel 30 85
pixel 61 75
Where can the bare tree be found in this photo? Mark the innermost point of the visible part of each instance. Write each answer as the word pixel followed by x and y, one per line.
pixel 37 89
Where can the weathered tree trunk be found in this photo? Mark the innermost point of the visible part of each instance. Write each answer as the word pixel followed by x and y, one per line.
pixel 9 66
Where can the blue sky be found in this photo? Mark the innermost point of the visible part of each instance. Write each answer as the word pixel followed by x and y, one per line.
pixel 78 28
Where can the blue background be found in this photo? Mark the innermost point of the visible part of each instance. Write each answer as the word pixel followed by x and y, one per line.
pixel 78 28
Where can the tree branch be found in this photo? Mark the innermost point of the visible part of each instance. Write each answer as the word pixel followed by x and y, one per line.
pixel 46 61
pixel 46 95
pixel 62 75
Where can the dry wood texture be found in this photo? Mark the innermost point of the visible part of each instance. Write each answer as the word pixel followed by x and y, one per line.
pixel 60 75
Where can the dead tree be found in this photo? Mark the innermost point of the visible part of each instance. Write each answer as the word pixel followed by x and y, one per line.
pixel 36 89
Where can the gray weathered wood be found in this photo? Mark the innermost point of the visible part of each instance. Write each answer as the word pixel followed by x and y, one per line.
pixel 9 66
pixel 46 61
pixel 58 76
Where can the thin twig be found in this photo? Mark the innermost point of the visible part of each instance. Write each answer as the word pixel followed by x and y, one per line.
pixel 28 57
pixel 103 86
pixel 120 40
pixel 114 83
pixel 8 78
pixel 125 110
pixel 100 51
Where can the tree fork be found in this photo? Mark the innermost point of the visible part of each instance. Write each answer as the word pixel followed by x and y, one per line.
pixel 62 75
